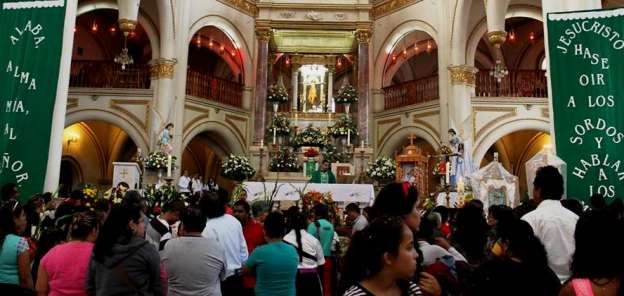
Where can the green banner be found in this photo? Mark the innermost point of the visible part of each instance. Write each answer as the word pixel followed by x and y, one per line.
pixel 31 38
pixel 587 74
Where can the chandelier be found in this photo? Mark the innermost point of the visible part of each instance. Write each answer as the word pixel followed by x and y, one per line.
pixel 499 72
pixel 124 58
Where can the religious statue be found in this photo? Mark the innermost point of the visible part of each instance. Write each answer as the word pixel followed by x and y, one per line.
pixel 165 139
pixel 455 157
pixel 312 96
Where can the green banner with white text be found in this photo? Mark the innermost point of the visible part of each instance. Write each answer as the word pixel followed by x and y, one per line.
pixel 587 75
pixel 31 38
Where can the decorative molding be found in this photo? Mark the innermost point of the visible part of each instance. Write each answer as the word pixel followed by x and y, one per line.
pixel 204 114
pixel 229 118
pixel 162 68
pixel 463 74
pixel 497 38
pixel 340 16
pixel 510 112
pixel 288 14
pixel 363 35
pixel 321 42
pixel 244 6
pixel 314 16
pixel 387 7
pixel 395 123
pixel 264 33
pixel 327 60
pixel 126 25
pixel 546 113
pixel 417 120
pixel 72 103
pixel 117 105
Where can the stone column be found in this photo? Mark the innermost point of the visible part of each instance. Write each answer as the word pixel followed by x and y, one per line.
pixel 331 104
pixel 462 89
pixel 495 12
pixel 55 151
pixel 363 37
pixel 161 72
pixel 263 34
pixel 294 84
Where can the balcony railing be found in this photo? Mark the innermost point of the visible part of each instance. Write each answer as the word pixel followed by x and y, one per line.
pixel 411 92
pixel 519 83
pixel 215 89
pixel 108 74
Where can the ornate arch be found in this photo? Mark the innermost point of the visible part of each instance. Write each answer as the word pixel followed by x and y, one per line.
pixel 134 132
pixel 75 167
pixel 395 36
pixel 513 125
pixel 480 29
pixel 147 24
pixel 232 142
pixel 396 138
pixel 230 30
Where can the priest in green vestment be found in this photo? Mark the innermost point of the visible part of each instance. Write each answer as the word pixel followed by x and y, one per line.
pixel 323 175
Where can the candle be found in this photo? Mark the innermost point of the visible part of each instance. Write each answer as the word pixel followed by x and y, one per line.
pixel 329 118
pixel 169 166
pixel 448 172
pixel 262 143
pixel 460 185
pixel 362 144
pixel 348 137
pixel 274 136
pixel 296 119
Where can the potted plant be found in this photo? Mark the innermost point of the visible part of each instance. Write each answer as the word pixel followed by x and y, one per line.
pixel 382 170
pixel 284 161
pixel 237 168
pixel 276 94
pixel 347 94
pixel 310 136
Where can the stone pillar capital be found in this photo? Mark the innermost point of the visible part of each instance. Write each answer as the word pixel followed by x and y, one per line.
pixel 363 35
pixel 264 34
pixel 162 68
pixel 463 75
pixel 331 68
pixel 497 38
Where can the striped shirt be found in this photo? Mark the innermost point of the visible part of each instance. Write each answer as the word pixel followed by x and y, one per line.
pixel 358 290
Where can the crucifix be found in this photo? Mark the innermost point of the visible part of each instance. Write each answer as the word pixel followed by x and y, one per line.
pixel 123 173
pixel 412 138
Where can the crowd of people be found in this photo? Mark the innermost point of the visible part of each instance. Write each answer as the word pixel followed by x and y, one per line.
pixel 209 245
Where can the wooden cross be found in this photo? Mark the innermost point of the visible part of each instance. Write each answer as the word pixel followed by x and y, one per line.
pixel 412 138
pixel 123 173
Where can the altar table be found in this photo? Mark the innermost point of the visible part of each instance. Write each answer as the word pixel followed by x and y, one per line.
pixel 360 193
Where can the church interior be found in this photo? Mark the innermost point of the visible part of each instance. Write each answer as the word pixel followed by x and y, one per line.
pixel 418 68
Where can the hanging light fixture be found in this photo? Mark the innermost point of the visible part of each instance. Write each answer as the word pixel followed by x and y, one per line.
pixel 512 36
pixel 124 58
pixel 112 29
pixel 94 27
pixel 210 43
pixel 404 53
pixel 198 41
pixel 499 71
pixel 532 37
pixel 429 46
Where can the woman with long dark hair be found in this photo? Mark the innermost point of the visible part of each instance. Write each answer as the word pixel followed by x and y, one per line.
pixel 381 260
pixel 310 254
pixel 123 262
pixel 597 263
pixel 519 266
pixel 54 275
pixel 14 257
pixel 401 200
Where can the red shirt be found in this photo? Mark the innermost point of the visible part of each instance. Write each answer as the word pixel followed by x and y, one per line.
pixel 254 237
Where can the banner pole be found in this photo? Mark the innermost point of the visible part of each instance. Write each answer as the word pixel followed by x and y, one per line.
pixel 55 151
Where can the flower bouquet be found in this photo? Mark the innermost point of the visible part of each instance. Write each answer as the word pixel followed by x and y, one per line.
pixel 347 95
pixel 277 94
pixel 284 161
pixel 312 198
pixel 311 152
pixel 341 128
pixel 158 160
pixel 156 197
pixel 310 136
pixel 331 154
pixel 384 168
pixel 280 124
pixel 237 168
pixel 89 191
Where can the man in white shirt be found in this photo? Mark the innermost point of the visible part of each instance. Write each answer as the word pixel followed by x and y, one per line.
pixel 228 232
pixel 184 184
pixel 196 184
pixel 553 224
pixel 359 221
pixel 159 229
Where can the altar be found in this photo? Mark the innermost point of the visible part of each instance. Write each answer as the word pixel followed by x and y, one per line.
pixel 343 193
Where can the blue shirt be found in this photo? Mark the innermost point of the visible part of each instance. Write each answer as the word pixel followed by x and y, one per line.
pixel 276 269
pixel 325 235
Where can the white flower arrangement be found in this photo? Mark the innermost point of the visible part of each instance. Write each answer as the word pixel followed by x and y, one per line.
pixel 346 95
pixel 237 167
pixel 384 168
pixel 284 161
pixel 277 93
pixel 158 160
pixel 341 128
pixel 310 136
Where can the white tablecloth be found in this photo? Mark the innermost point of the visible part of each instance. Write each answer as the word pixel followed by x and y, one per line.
pixel 361 193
